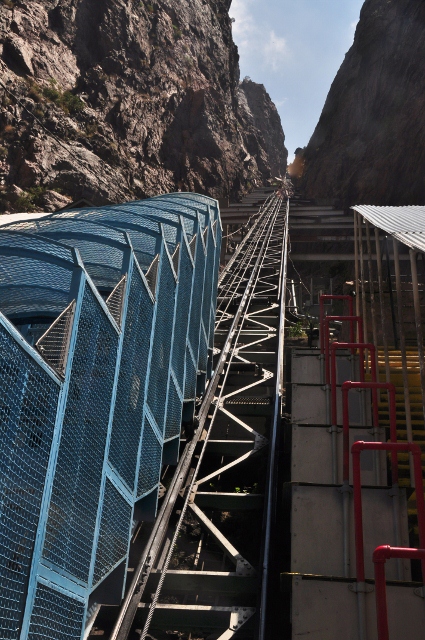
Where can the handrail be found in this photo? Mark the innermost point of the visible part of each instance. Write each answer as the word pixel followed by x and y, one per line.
pixel 394 448
pixel 380 556
pixel 361 346
pixel 327 320
pixel 346 423
pixel 322 300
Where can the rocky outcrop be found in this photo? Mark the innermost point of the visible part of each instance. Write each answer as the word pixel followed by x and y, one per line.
pixel 263 134
pixel 369 144
pixel 120 99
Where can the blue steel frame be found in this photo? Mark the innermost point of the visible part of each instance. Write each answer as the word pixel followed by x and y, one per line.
pixel 97 248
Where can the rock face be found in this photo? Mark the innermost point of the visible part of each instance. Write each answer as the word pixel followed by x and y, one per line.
pixel 369 144
pixel 119 99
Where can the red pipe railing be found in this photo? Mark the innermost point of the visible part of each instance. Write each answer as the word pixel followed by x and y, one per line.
pixel 352 320
pixel 361 346
pixel 395 448
pixel 346 422
pixel 380 556
pixel 322 301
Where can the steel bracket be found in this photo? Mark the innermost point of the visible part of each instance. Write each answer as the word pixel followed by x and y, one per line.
pixel 361 587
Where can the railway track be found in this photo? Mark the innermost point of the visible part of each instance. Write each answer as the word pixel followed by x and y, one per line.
pixel 199 574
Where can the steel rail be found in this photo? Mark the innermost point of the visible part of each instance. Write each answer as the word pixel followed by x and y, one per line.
pixel 247 256
pixel 236 334
pixel 271 487
pixel 130 604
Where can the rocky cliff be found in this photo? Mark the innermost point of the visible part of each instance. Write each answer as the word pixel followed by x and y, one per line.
pixel 369 144
pixel 111 100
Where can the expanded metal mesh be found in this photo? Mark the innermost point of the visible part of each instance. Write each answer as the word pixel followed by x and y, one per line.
pixel 115 301
pixel 28 405
pixel 152 275
pixel 182 314
pixel 76 488
pixel 174 412
pixel 161 349
pixel 128 414
pixel 54 343
pixel 190 378
pixel 147 403
pixel 55 616
pixel 150 461
pixel 114 532
pixel 197 300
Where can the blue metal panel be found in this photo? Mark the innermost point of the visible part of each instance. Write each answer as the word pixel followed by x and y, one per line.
pixel 161 350
pixel 129 406
pixel 55 616
pixel 114 532
pixel 121 396
pixel 76 488
pixel 28 405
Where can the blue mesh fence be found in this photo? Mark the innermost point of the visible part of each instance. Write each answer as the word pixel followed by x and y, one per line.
pixel 75 496
pixel 28 405
pixel 197 299
pixel 114 532
pixel 55 616
pixel 161 349
pixel 174 412
pixel 182 313
pixel 150 460
pixel 147 403
pixel 129 406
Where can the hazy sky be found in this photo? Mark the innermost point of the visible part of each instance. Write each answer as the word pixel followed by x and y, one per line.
pixel 294 48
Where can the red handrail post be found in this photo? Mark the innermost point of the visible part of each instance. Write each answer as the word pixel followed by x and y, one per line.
pixel 393 447
pixel 346 422
pixel 380 556
pixel 322 300
pixel 361 346
pixel 326 321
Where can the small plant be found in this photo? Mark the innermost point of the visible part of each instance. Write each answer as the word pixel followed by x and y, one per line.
pixel 30 199
pixel 177 32
pixel 296 331
pixel 8 3
pixel 3 153
pixel 69 102
pixel 35 92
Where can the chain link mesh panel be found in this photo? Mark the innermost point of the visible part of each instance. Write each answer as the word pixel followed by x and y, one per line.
pixel 197 299
pixel 55 616
pixel 76 487
pixel 174 412
pixel 190 378
pixel 128 414
pixel 150 461
pixel 159 367
pixel 183 302
pixel 114 532
pixel 28 406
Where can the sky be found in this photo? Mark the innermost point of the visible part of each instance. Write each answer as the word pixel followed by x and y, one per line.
pixel 294 48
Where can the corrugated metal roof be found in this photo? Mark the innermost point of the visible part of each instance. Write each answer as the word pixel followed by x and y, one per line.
pixel 406 224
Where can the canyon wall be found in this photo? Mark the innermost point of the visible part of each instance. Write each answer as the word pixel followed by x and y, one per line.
pixel 112 100
pixel 369 144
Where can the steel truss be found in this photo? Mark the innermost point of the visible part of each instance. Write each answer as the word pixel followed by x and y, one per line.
pixel 235 442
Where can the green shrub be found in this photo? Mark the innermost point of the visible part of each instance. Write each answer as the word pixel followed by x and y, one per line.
pixel 69 102
pixel 296 331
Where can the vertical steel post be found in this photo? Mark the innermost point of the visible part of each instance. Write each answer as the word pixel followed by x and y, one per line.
pixel 390 289
pixel 382 305
pixel 363 286
pixel 418 323
pixel 371 289
pixel 356 263
pixel 403 355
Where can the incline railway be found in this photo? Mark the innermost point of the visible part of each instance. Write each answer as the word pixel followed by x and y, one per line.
pixel 290 503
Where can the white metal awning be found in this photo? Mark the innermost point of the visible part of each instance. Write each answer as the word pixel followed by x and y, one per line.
pixel 406 224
